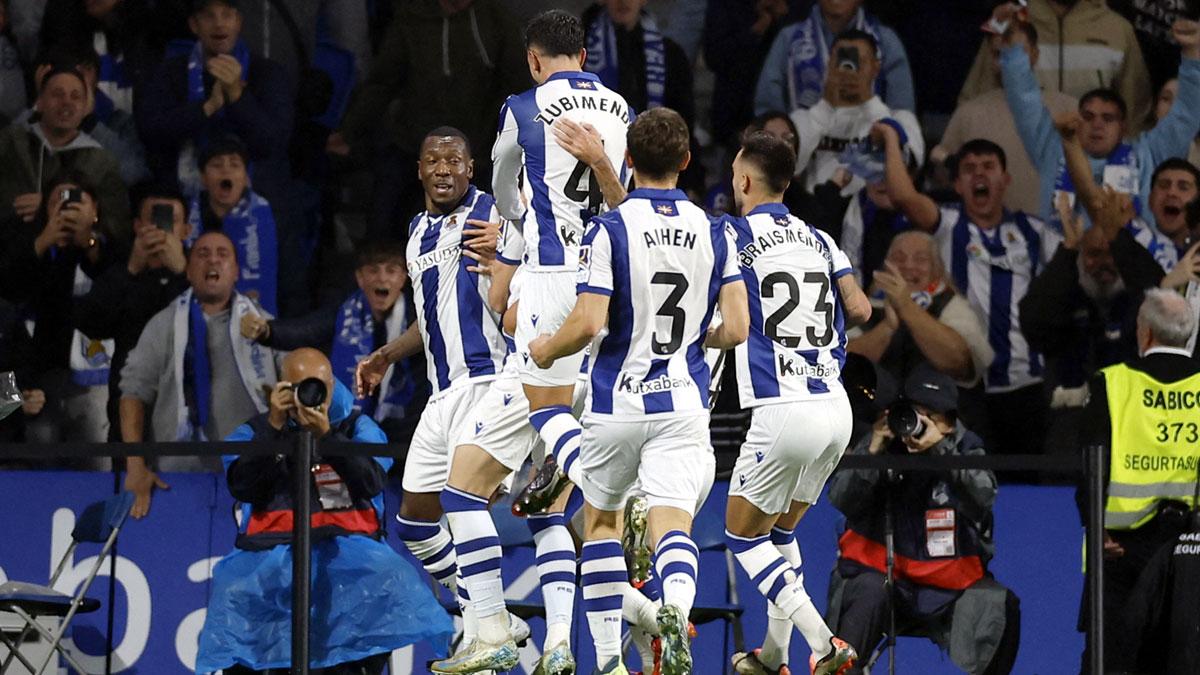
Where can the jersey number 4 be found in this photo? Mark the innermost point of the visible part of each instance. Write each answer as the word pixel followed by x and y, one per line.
pixel 582 187
pixel 823 307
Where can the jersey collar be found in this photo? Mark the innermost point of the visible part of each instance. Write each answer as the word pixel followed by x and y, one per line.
pixel 573 75
pixel 674 194
pixel 773 208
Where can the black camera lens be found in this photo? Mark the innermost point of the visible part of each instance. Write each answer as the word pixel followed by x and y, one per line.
pixel 903 420
pixel 311 392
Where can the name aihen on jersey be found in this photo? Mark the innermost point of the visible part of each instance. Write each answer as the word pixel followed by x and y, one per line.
pixel 560 191
pixel 797 342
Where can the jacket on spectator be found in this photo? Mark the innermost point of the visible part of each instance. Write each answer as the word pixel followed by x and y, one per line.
pixel 169 122
pixel 732 50
pixel 1171 137
pixel 771 92
pixel 29 163
pixel 118 135
pixel 435 70
pixel 155 369
pixel 1090 47
pixel 1162 621
pixel 12 80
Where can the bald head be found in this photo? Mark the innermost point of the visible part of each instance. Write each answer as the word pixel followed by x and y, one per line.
pixel 1165 319
pixel 306 362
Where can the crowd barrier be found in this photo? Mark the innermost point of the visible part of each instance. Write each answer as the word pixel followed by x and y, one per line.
pixel 164 562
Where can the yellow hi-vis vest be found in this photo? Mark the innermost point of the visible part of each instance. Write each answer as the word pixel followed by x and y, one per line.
pixel 1155 444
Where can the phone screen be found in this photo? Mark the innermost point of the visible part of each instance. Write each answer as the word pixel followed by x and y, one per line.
pixel 71 196
pixel 163 216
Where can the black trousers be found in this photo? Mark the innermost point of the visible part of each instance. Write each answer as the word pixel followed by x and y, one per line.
pixel 372 665
pixel 863 621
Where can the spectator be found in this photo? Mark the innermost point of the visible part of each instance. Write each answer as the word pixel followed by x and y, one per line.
pixel 192 368
pixel 923 319
pixel 340 22
pixel 55 258
pixel 124 298
pixel 992 254
pixel 1097 50
pixel 460 60
pixel 1127 413
pixel 630 55
pixel 943 587
pixel 118 31
pixel 113 128
pixel 1162 105
pixel 1159 618
pixel 845 113
pixel 1127 167
pixel 12 78
pixel 372 600
pixel 228 204
pixel 374 315
pixel 52 143
pixel 1174 188
pixel 1152 21
pixel 736 41
pixel 988 116
pixel 17 356
pixel 219 88
pixel 796 68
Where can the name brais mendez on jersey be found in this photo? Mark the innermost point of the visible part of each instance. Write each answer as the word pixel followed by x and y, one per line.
pixel 771 238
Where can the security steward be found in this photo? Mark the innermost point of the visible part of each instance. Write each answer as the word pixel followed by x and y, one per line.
pixel 1147 412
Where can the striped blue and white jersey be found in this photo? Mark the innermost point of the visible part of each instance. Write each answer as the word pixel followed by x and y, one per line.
pixel 662 262
pixel 461 334
pixel 993 269
pixel 559 189
pixel 797 343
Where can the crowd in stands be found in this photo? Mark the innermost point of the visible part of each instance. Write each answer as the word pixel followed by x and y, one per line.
pixel 182 183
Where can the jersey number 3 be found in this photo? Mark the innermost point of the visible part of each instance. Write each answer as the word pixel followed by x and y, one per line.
pixel 670 309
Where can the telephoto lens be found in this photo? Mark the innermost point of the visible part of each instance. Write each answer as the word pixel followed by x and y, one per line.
pixel 903 420
pixel 311 392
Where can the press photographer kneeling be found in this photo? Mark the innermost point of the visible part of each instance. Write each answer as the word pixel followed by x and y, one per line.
pixel 941 523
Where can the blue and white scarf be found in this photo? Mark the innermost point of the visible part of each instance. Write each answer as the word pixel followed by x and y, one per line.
pixel 1120 173
pixel 354 340
pixel 90 359
pixel 251 226
pixel 114 88
pixel 808 58
pixel 602 57
pixel 254 362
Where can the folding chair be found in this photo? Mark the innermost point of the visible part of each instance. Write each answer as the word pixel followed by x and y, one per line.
pixel 708 531
pixel 98 524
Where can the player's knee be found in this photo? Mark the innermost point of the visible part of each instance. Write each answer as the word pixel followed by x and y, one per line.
pixel 422 506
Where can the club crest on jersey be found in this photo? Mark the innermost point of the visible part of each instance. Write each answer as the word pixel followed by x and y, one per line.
pixel 627 385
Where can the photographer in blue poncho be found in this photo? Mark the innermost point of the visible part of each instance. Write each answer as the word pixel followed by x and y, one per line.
pixel 366 599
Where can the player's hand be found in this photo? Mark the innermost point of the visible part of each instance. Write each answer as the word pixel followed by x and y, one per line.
pixel 481 236
pixel 254 327
pixel 369 374
pixel 483 263
pixel 539 351
pixel 141 481
pixel 1071 223
pixel 928 438
pixel 32 401
pixel 1111 548
pixel 1187 33
pixel 26 205
pixel 1186 270
pixel 581 140
pixel 281 402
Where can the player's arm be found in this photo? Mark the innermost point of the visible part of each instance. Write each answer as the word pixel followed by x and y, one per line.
pixel 854 301
pixel 582 326
pixel 918 208
pixel 502 274
pixel 507 157
pixel 585 144
pixel 370 371
pixel 735 317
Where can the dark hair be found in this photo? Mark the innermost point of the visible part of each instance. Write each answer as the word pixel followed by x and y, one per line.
pixel 856 35
pixel 201 5
pixel 1175 164
pixel 772 156
pixel 65 177
pixel 760 123
pixel 141 192
pixel 445 131
pixel 977 146
pixel 61 69
pixel 555 32
pixel 68 55
pixel 658 141
pixel 1108 96
pixel 375 251
pixel 227 144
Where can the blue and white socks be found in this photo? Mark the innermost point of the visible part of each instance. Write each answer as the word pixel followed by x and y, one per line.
pixel 556 566
pixel 604 578
pixel 777 581
pixel 777 642
pixel 560 431
pixel 477 546
pixel 675 561
pixel 430 543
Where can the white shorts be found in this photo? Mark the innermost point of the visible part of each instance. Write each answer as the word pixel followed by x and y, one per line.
pixel 790 450
pixel 499 423
pixel 427 465
pixel 670 459
pixel 547 298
